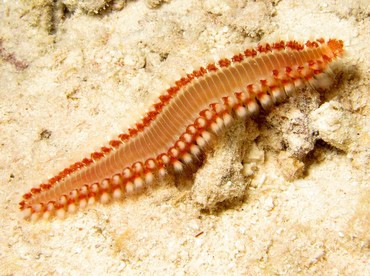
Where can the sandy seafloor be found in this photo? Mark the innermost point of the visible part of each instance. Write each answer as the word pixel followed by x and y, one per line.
pixel 285 194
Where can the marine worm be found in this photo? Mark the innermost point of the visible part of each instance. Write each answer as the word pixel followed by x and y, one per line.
pixel 182 120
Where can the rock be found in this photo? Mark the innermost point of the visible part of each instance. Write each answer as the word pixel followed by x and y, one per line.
pixel 220 181
pixel 336 126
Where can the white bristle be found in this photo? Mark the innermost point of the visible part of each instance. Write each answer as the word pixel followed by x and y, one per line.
pixel 104 184
pixel 181 145
pixel 83 203
pixel 37 207
pixel 266 101
pixel 241 112
pixel 230 102
pixel 253 107
pixel 91 201
pixel 34 217
pixel 191 129
pixel 127 173
pixel 50 207
pixel 298 83
pixel 174 152
pixel 188 137
pixel 151 164
pixel 71 208
pixel 73 194
pixel 200 141
pixel 289 89
pixel 60 213
pixel 162 172
pixel 83 190
pixel 195 150
pixel 95 188
pixel 46 215
pixel 178 166
pixel 105 198
pixel 201 122
pixel 149 177
pixel 278 95
pixel 187 158
pixel 218 108
pixel 138 183
pixel 116 180
pixel 117 193
pixel 206 136
pixel 208 114
pixel 219 122
pixel 215 128
pixel 63 200
pixel 244 96
pixel 129 187
pixel 138 167
pixel 165 159
pixel 227 118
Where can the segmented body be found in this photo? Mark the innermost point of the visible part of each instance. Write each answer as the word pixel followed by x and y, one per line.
pixel 179 123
